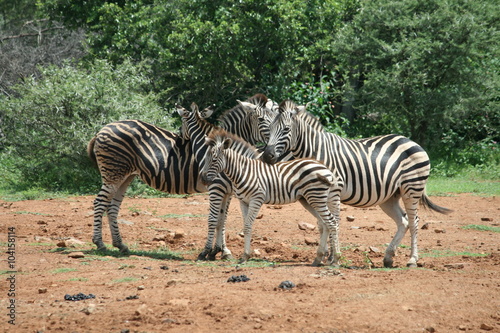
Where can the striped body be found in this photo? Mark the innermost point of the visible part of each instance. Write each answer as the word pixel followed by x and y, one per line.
pixel 256 183
pixel 125 149
pixel 374 171
pixel 220 190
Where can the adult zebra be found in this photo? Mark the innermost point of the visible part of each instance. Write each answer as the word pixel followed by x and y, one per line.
pixel 255 183
pixel 375 171
pixel 125 149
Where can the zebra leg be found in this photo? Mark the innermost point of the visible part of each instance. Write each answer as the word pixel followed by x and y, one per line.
pixel 392 208
pixel 113 210
pixel 323 229
pixel 220 231
pixel 216 223
pixel 411 206
pixel 101 204
pixel 334 207
pixel 251 209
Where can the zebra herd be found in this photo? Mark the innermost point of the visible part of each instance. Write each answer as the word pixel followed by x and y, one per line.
pixel 263 153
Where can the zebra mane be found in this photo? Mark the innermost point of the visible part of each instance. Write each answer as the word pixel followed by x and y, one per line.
pixel 237 143
pixel 306 117
pixel 257 99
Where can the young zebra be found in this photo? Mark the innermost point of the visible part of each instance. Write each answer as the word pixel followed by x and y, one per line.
pixel 375 171
pixel 255 183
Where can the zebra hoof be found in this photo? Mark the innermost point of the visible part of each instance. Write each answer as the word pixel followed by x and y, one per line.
pixel 202 257
pixel 124 249
pixel 227 256
pixel 101 248
pixel 388 263
pixel 316 263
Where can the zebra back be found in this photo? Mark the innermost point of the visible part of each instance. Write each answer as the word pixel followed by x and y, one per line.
pixel 162 159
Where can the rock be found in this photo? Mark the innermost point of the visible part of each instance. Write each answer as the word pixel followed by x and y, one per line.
pixel 286 285
pixel 455 266
pixel 256 253
pixel 462 327
pixel 487 327
pixel 141 310
pixel 141 288
pixel 439 231
pixel 179 234
pixel 486 219
pixel 430 329
pixel 76 255
pixel 310 241
pixel 361 249
pixel 42 290
pixel 425 226
pixel 159 238
pixel 260 216
pixel 374 249
pixel 43 239
pixel 73 242
pixel 89 309
pixel 350 218
pixel 306 226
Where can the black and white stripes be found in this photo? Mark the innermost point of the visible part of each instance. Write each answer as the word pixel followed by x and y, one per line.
pixel 375 171
pixel 255 183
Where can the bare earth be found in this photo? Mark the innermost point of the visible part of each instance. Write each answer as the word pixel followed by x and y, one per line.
pixel 457 287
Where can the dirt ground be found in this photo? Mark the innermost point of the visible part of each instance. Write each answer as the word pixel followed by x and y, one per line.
pixel 457 287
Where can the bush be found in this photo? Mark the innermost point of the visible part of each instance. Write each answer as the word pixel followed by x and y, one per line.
pixel 48 127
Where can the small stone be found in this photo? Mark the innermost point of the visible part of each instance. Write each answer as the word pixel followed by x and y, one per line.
pixel 455 266
pixel 260 216
pixel 487 327
pixel 430 329
pixel 179 234
pixel 425 226
pixel 486 219
pixel 350 218
pixel 141 288
pixel 73 242
pixel 462 327
pixel 286 285
pixel 310 241
pixel 89 309
pixel 306 226
pixel 374 249
pixel 42 290
pixel 256 253
pixel 76 255
pixel 439 231
pixel 141 310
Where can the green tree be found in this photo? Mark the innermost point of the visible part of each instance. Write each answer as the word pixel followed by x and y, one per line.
pixel 48 127
pixel 212 51
pixel 422 68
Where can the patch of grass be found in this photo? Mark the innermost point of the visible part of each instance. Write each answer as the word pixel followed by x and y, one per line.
pixel 31 213
pixel 179 216
pixel 160 253
pixel 31 194
pixel 481 227
pixel 63 270
pixel 450 253
pixel 80 279
pixel 125 279
pixel 466 183
pixel 40 244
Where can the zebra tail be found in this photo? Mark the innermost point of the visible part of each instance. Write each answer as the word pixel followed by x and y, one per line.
pixel 90 151
pixel 427 203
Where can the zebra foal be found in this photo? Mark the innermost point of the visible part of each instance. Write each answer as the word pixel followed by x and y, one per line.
pixel 256 183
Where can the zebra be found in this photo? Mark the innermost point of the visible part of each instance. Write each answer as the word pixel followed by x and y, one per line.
pixel 375 171
pixel 125 149
pixel 255 183
pixel 220 191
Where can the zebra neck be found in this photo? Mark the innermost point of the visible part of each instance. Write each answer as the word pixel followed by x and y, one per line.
pixel 237 165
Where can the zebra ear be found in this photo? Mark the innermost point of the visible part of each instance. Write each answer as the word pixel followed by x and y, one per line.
pixel 181 110
pixel 207 112
pixel 247 106
pixel 227 143
pixel 302 108
pixel 194 107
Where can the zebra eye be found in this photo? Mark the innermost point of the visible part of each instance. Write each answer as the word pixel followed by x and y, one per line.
pixel 286 129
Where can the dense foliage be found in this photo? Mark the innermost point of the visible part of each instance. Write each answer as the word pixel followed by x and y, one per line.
pixel 425 69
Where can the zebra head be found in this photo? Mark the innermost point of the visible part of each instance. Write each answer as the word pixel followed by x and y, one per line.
pixel 191 118
pixel 215 159
pixel 282 135
pixel 262 115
